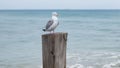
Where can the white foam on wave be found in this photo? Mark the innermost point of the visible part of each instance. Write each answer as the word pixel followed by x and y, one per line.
pixel 41 66
pixel 69 56
pixel 89 67
pixel 77 66
pixel 114 56
pixel 112 65
pixel 108 65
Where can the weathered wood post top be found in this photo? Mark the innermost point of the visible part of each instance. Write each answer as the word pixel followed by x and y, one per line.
pixel 54 50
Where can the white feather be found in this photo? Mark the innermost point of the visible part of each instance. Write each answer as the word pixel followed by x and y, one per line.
pixel 55 23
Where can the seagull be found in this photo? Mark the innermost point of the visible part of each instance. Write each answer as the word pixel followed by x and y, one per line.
pixel 53 23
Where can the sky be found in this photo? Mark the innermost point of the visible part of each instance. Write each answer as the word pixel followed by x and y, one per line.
pixel 59 4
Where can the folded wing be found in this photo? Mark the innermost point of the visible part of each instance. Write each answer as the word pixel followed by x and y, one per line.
pixel 50 22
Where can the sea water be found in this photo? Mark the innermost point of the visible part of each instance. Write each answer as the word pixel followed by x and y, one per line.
pixel 93 37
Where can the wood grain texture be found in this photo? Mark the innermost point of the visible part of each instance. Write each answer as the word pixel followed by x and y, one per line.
pixel 54 50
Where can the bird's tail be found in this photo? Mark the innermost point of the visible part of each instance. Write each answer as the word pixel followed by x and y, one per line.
pixel 44 29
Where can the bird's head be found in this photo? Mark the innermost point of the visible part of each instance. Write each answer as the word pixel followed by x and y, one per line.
pixel 55 14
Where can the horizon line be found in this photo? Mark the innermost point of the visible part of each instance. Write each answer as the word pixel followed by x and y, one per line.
pixel 59 9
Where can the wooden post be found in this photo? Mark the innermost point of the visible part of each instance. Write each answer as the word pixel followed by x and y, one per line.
pixel 54 50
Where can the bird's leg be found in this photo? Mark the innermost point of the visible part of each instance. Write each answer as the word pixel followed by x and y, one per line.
pixel 53 31
pixel 50 32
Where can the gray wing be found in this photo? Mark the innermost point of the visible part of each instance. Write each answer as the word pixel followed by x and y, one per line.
pixel 50 22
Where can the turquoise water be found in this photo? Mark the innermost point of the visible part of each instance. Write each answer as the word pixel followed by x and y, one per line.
pixel 93 40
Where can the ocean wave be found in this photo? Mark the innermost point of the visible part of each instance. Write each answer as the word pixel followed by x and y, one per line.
pixel 77 66
pixel 93 60
pixel 80 66
pixel 112 65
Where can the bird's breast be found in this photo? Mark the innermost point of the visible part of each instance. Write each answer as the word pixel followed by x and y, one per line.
pixel 54 25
